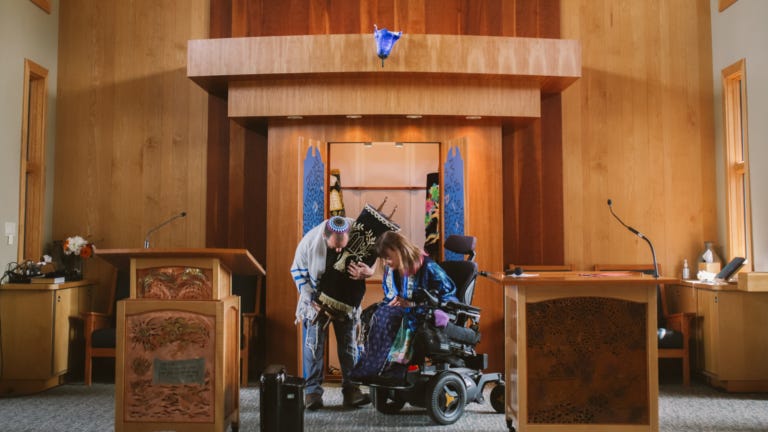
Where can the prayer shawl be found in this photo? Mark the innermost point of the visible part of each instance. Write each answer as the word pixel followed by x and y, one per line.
pixel 308 268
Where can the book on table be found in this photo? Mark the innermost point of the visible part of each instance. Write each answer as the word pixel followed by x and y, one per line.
pixel 47 280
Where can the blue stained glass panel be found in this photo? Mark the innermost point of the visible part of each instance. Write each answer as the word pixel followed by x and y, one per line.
pixel 453 175
pixel 314 194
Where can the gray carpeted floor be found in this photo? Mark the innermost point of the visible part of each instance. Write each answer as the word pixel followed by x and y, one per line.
pixel 74 407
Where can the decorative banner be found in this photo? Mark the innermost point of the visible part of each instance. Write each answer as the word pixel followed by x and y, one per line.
pixel 335 198
pixel 432 217
pixel 453 176
pixel 314 196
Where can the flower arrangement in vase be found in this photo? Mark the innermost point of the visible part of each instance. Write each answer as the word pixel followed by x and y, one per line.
pixel 76 249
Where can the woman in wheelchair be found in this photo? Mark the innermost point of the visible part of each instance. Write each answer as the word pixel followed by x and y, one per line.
pixel 389 345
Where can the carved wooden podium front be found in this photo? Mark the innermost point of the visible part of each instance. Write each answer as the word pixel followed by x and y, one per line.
pixel 178 339
pixel 581 352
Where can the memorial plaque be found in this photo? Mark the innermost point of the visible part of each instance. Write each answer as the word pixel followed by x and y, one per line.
pixel 190 371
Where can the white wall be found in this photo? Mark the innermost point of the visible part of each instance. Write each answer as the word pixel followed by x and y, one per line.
pixel 740 32
pixel 26 32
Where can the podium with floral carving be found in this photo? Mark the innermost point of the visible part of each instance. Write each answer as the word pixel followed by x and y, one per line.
pixel 178 339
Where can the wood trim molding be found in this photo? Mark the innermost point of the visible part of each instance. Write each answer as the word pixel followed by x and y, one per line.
pixel 384 95
pixel 724 4
pixel 313 70
pixel 32 169
pixel 737 172
pixel 43 4
pixel 354 53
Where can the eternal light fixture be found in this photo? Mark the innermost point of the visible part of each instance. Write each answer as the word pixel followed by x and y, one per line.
pixel 385 40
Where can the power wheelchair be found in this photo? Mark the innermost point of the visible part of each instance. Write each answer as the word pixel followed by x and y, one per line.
pixel 445 373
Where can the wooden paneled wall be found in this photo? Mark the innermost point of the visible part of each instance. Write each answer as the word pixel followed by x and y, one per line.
pixel 131 128
pixel 638 128
pixel 483 215
pixel 523 18
pixel 533 189
pixel 131 136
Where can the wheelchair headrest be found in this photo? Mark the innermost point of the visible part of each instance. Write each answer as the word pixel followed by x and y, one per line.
pixel 461 244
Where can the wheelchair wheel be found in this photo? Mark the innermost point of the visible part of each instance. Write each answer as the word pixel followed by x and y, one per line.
pixel 446 398
pixel 387 401
pixel 497 398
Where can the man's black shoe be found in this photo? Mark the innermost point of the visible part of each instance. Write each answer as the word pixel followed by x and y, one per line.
pixel 353 397
pixel 313 401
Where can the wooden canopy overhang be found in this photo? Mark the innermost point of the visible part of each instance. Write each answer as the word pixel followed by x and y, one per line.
pixel 340 74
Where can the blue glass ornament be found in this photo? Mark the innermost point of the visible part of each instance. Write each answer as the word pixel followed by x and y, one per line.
pixel 385 40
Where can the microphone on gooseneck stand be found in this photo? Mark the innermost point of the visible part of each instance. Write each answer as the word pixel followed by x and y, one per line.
pixel 146 238
pixel 639 234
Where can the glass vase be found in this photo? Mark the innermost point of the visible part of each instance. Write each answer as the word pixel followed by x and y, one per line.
pixel 709 255
pixel 73 267
pixel 709 260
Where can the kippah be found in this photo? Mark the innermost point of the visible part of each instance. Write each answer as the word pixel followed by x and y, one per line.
pixel 338 224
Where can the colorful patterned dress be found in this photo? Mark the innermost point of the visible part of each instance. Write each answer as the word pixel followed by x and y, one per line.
pixel 389 343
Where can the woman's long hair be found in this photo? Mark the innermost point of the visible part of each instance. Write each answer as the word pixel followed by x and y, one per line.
pixel 409 255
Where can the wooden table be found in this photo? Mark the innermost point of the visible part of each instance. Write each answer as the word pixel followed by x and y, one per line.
pixel 581 351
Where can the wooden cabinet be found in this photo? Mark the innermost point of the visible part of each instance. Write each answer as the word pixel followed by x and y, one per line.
pixel 36 333
pixel 732 337
pixel 680 299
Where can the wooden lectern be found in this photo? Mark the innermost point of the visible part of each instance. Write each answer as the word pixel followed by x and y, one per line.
pixel 178 339
pixel 581 352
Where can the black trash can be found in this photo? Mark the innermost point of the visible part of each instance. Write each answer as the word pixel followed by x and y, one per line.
pixel 281 401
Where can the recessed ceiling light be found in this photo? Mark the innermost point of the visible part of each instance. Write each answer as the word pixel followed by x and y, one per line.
pixel 399 145
pixel 354 116
pixel 473 117
pixel 368 144
pixel 294 117
pixel 413 116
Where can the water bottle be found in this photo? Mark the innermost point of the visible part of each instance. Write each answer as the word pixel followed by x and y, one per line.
pixel 686 270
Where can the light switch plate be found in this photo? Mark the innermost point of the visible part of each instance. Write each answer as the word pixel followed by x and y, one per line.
pixel 10 229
